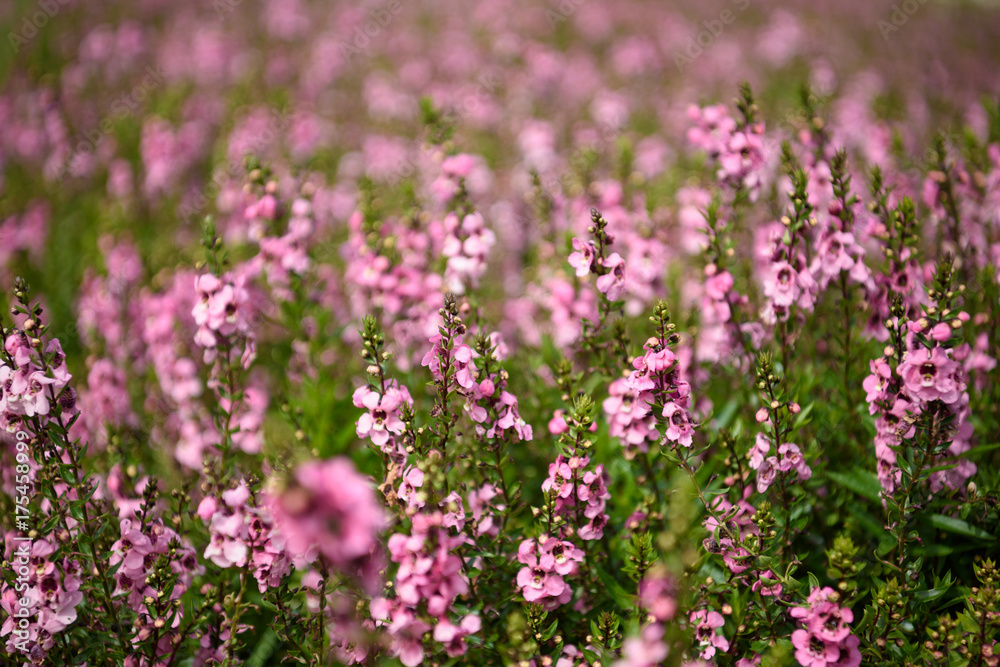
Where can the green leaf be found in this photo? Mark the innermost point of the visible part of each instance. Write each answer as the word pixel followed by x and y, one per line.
pixel 618 594
pixel 968 623
pixel 980 450
pixel 860 482
pixel 726 414
pixel 959 527
pixel 886 544
pixel 802 418
pixel 933 594
pixel 866 619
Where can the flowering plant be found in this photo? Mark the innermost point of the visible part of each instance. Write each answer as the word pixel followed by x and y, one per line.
pixel 722 394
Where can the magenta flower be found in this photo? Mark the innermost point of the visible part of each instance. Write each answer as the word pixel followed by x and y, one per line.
pixel 781 285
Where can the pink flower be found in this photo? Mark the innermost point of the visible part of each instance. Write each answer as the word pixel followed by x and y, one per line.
pixel 536 583
pixel 719 285
pixel 646 650
pixel 760 449
pixel 773 590
pixel 560 556
pixel 781 285
pixel 831 622
pixel 465 373
pixel 382 418
pixel 657 594
pixel 705 632
pixel 766 473
pixel 331 510
pixel 811 651
pixel 583 258
pixel 612 284
pixel 453 637
pixel 791 459
pixel 932 375
pixel 679 428
pixel 876 383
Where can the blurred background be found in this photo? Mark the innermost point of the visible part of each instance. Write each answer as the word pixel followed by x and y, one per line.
pixel 133 117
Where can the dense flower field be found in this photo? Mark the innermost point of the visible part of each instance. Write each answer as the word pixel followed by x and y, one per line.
pixel 514 333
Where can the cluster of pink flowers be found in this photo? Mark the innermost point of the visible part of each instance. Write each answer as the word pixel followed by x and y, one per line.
pixel 285 255
pixel 826 639
pixel 428 581
pixel 897 397
pixel 466 246
pixel 656 376
pixel 490 405
pixel 786 279
pixel 105 402
pixel 719 339
pixel 398 281
pixel 572 486
pixel 658 595
pixel 167 329
pixel 226 311
pixel 137 551
pixel 44 603
pixel 646 650
pixel 739 518
pixel 330 510
pixel 242 532
pixel 567 306
pixel 934 374
pixel 838 251
pixel 381 420
pixel 768 467
pixel 246 417
pixel 891 409
pixel 611 269
pixel 630 418
pixel 903 277
pixel 547 560
pixel 738 151
pixel 27 389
